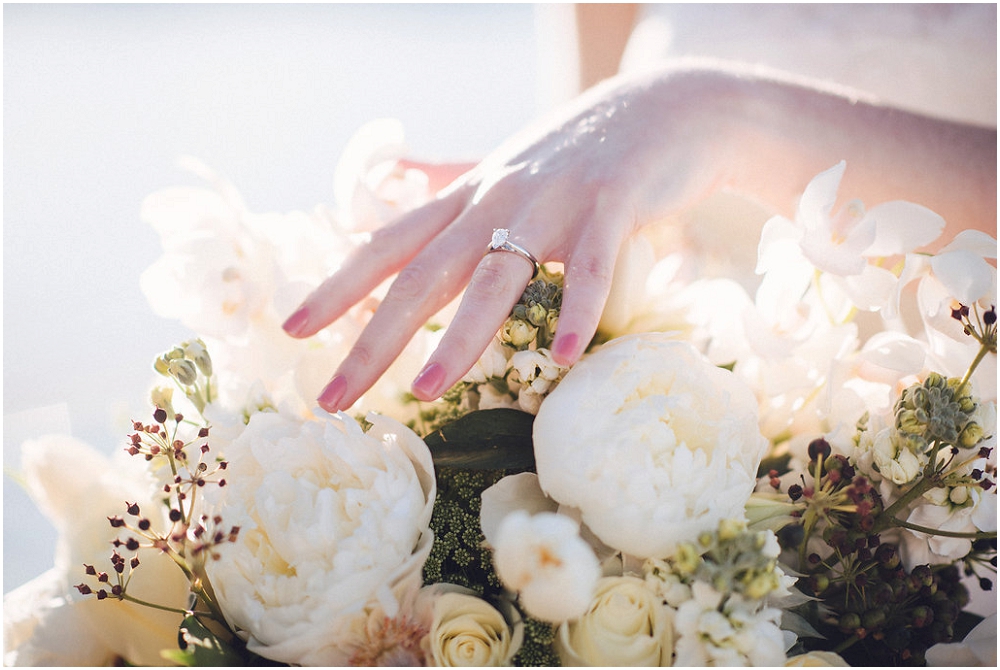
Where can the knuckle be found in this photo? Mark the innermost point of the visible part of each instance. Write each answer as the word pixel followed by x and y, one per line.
pixel 491 279
pixel 591 268
pixel 362 355
pixel 411 284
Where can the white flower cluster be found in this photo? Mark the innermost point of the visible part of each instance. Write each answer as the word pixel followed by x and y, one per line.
pixel 233 276
pixel 668 451
pixel 503 377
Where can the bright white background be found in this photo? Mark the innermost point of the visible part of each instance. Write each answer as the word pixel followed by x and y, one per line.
pixel 100 100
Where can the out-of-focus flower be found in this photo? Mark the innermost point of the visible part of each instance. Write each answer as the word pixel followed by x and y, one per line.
pixel 979 648
pixel 332 519
pixel 651 442
pixel 492 364
pixel 545 560
pixel 63 476
pixel 626 624
pixel 731 635
pixel 369 182
pixel 467 631
pixel 537 374
pixel 816 659
pixel 43 626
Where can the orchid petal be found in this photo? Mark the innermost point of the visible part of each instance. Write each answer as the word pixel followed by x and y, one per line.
pixel 819 197
pixel 779 238
pixel 871 290
pixel 965 275
pixel 915 267
pixel 976 241
pixel 902 227
pixel 894 351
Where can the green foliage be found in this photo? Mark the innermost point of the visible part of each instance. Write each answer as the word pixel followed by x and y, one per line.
pixel 199 646
pixel 470 455
pixel 537 650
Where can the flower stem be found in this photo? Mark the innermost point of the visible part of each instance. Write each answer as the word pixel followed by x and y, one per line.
pixel 983 350
pixel 979 535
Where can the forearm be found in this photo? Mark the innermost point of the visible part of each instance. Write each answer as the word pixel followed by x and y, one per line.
pixel 785 134
pixel 767 135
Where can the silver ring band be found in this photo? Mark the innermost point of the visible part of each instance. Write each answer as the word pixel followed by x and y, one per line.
pixel 500 242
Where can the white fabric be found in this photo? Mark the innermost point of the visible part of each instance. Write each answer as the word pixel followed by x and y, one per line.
pixel 936 59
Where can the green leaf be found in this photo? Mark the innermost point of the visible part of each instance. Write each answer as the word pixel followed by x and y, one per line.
pixel 199 646
pixel 491 439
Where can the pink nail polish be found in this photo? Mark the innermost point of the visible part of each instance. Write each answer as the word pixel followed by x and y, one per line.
pixel 427 384
pixel 331 396
pixel 296 322
pixel 564 348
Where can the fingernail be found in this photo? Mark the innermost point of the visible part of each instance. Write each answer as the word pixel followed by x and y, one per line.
pixel 331 396
pixel 564 348
pixel 426 385
pixel 296 322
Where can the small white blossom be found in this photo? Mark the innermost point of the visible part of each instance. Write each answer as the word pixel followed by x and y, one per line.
pixel 545 560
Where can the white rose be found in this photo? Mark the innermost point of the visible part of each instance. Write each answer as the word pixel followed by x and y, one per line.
pixel 545 560
pixel 651 442
pixel 78 488
pixel 469 632
pixel 816 659
pixel 331 518
pixel 626 624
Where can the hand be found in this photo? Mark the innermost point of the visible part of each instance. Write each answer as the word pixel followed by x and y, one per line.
pixel 569 190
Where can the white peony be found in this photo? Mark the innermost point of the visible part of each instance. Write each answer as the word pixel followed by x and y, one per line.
pixel 332 520
pixel 626 624
pixel 47 622
pixel 545 560
pixel 651 442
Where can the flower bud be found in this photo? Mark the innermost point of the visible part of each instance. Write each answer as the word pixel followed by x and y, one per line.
pixel 537 314
pixel 162 397
pixel 819 448
pixel 959 495
pixel 518 333
pixel 849 621
pixel 971 435
pixel 183 371
pixel 196 351
pixel 552 320
pixel 873 618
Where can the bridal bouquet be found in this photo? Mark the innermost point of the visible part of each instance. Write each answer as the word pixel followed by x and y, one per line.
pixel 802 475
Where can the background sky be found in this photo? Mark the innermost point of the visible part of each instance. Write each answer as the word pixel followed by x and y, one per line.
pixel 100 101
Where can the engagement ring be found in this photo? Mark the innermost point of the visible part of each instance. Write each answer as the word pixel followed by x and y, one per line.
pixel 500 242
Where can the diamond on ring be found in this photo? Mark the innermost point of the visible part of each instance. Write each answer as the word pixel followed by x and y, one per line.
pixel 501 242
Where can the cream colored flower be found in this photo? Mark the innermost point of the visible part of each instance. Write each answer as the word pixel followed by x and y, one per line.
pixel 332 519
pixel 894 460
pixel 78 488
pixel 817 659
pixel 469 632
pixel 545 560
pixel 651 442
pixel 626 625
